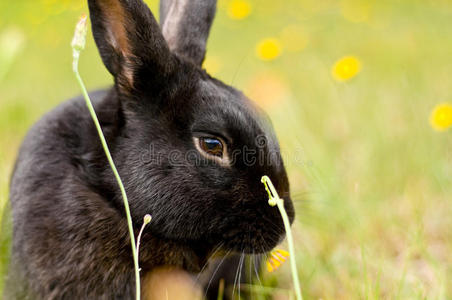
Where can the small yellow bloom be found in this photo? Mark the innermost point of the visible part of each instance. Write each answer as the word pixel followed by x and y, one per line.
pixel 239 9
pixel 268 49
pixel 346 68
pixel 441 117
pixel 276 259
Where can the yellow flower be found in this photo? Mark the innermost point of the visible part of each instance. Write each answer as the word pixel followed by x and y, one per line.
pixel 276 259
pixel 268 49
pixel 441 117
pixel 346 68
pixel 239 9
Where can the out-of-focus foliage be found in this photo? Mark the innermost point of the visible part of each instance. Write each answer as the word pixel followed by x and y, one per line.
pixel 370 175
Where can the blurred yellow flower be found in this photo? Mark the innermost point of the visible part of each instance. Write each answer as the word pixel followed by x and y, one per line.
pixel 268 49
pixel 276 259
pixel 294 38
pixel 212 64
pixel 346 68
pixel 441 117
pixel 239 9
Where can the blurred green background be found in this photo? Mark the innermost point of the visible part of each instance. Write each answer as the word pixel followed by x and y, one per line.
pixel 371 178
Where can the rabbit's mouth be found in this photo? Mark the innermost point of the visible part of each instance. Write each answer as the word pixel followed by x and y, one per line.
pixel 257 231
pixel 196 255
pixel 200 254
pixel 252 241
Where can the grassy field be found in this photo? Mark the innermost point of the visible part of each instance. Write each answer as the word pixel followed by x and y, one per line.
pixel 371 178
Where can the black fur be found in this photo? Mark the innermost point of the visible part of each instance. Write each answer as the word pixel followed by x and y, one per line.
pixel 70 238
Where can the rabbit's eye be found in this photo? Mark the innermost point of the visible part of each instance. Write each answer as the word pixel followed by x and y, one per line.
pixel 211 146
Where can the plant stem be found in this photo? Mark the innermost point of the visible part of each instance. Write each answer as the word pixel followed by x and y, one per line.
pixel 147 218
pixel 275 200
pixel 113 168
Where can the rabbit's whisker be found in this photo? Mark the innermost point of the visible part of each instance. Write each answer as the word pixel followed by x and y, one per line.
pixel 236 274
pixel 217 248
pixel 256 257
pixel 215 272
pixel 235 281
pixel 242 259
pixel 250 272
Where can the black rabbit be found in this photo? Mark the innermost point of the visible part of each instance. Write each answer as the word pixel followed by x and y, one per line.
pixel 190 150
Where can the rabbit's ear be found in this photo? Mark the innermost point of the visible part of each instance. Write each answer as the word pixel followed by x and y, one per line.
pixel 186 25
pixel 129 39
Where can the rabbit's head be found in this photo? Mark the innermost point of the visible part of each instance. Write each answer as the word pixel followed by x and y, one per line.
pixel 191 150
